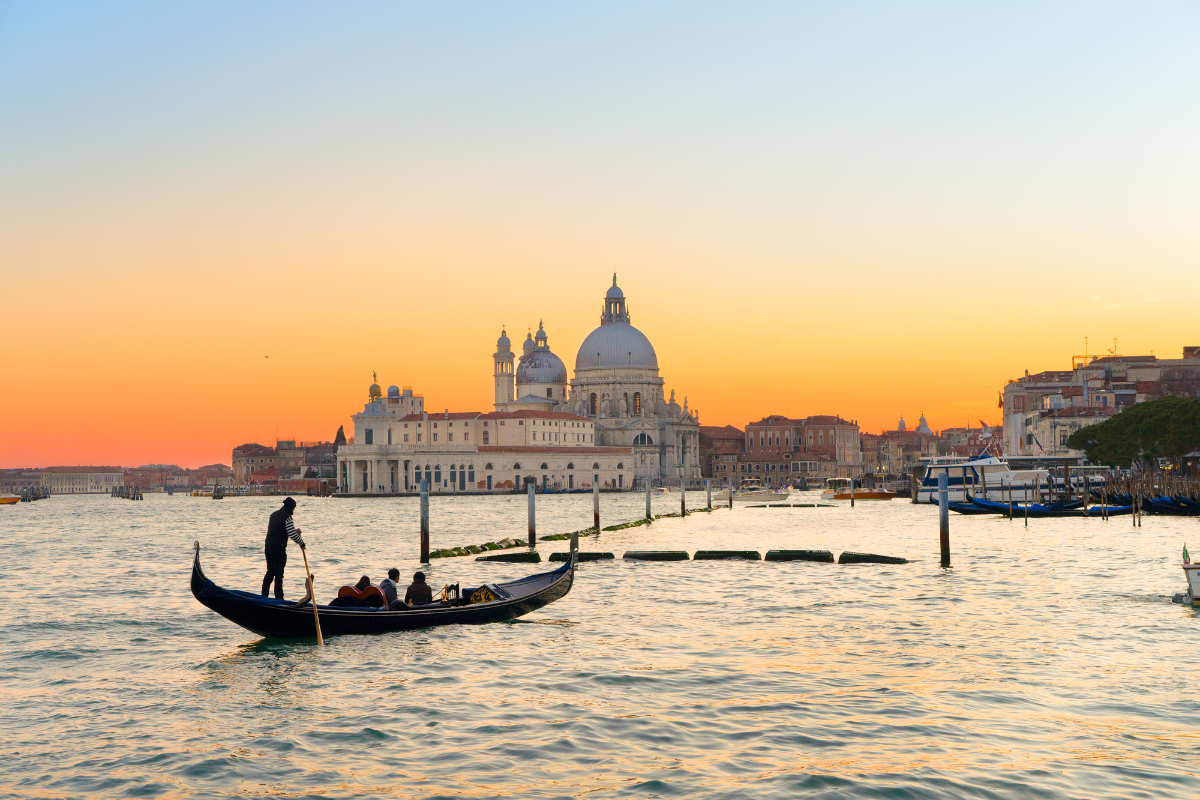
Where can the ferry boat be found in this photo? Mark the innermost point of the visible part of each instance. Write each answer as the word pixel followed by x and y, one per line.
pixel 985 477
pixel 752 491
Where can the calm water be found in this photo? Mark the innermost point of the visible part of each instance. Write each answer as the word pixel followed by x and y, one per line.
pixel 1046 663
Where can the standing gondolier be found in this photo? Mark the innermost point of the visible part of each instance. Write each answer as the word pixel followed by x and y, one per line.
pixel 279 530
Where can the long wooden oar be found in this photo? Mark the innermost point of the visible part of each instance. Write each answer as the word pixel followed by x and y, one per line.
pixel 312 590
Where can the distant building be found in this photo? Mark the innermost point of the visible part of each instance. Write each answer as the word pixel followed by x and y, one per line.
pixel 15 481
pixel 251 457
pixel 82 480
pixel 720 448
pixel 779 450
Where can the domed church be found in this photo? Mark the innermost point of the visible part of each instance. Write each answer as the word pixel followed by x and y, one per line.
pixel 540 377
pixel 616 384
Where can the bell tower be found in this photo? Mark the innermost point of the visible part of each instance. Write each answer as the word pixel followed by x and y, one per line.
pixel 504 375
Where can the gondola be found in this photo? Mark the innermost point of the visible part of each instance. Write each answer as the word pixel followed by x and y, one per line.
pixel 282 618
pixel 1035 509
pixel 963 508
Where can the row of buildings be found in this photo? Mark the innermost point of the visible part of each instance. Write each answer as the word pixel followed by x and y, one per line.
pixel 778 450
pixel 1042 410
pixel 102 480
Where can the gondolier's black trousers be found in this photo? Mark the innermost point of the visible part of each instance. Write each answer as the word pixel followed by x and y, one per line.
pixel 276 561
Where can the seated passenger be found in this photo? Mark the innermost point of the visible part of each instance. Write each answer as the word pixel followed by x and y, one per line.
pixel 359 595
pixel 418 592
pixel 388 586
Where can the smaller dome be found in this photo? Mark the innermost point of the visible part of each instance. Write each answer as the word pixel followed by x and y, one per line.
pixel 393 391
pixel 503 340
pixel 614 293
pixel 541 366
pixel 374 391
pixel 541 335
pixel 529 345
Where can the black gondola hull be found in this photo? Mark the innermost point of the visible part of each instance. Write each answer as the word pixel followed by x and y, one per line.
pixel 278 618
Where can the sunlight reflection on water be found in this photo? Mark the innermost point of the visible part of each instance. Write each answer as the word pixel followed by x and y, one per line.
pixel 1047 660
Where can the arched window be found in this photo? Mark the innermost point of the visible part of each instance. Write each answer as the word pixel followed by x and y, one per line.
pixel 437 473
pixel 637 402
pixel 571 465
pixel 488 465
pixel 471 473
pixel 643 438
pixel 485 437
pixel 516 466
pixel 544 467
pixel 592 404
pixel 595 466
pixel 621 465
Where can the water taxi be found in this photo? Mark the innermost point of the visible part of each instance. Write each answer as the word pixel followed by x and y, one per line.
pixel 839 489
pixel 8 499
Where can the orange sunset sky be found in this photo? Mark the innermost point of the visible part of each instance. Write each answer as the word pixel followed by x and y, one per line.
pixel 216 221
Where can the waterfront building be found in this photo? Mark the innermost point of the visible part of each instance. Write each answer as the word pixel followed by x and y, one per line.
pixel 251 457
pixel 15 481
pixel 780 450
pixel 611 423
pixel 82 480
pixel 720 448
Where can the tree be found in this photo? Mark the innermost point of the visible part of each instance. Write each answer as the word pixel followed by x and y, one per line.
pixel 1168 427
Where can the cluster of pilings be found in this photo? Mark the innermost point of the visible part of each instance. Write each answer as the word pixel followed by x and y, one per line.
pixel 127 492
pixel 31 493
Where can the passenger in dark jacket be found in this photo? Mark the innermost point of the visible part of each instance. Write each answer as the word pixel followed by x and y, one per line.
pixel 279 530
pixel 418 591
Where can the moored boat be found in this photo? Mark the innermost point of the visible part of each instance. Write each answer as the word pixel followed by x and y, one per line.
pixel 269 617
pixel 752 491
pixel 9 499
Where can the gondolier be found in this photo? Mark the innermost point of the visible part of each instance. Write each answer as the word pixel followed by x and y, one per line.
pixel 279 530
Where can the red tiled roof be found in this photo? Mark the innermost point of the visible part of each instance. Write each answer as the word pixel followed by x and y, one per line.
pixel 453 415
pixel 69 470
pixel 726 432
pixel 500 448
pixel 1072 391
pixel 527 414
pixel 523 414
pixel 1145 387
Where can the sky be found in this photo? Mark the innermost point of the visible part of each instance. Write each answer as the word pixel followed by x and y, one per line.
pixel 218 219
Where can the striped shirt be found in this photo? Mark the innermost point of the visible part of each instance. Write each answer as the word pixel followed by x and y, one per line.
pixel 292 533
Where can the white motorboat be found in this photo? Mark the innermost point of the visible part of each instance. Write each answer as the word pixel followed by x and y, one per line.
pixel 752 492
pixel 1192 573
pixel 985 477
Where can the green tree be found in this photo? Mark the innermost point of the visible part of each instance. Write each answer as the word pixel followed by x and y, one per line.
pixel 1168 427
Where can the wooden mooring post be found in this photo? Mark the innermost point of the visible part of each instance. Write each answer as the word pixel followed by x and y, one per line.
pixel 529 491
pixel 682 496
pixel 649 512
pixel 708 492
pixel 596 504
pixel 944 516
pixel 424 522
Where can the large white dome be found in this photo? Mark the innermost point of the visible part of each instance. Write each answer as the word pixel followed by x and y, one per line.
pixel 616 345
